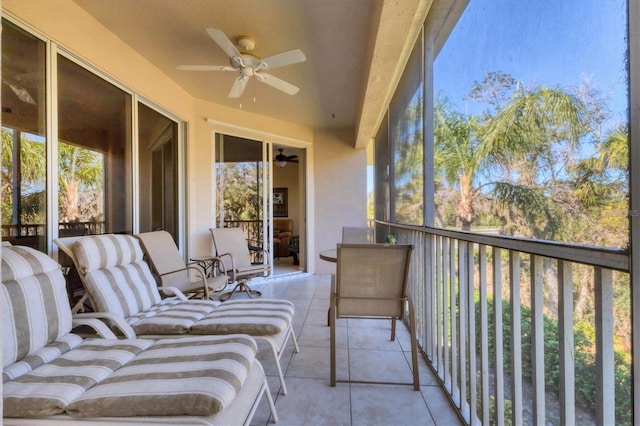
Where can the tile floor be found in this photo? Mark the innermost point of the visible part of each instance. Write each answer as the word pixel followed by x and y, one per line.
pixel 364 352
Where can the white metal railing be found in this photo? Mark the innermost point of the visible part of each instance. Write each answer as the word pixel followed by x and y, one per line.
pixel 497 320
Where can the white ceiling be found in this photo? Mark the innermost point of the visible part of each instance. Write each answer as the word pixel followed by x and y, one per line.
pixel 355 51
pixel 333 34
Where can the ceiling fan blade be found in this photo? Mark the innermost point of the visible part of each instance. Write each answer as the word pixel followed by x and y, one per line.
pixel 238 87
pixel 205 68
pixel 277 83
pixel 281 59
pixel 225 44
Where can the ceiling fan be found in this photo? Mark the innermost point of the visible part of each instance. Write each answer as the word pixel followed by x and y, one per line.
pixel 248 64
pixel 281 160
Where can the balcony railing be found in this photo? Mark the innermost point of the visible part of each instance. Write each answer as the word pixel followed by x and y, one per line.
pixel 521 331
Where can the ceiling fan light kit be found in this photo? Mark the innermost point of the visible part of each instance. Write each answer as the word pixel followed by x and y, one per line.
pixel 249 64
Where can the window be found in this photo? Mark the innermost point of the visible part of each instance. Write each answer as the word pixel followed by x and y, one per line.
pixel 158 160
pixel 531 121
pixel 24 185
pixel 406 144
pixel 94 155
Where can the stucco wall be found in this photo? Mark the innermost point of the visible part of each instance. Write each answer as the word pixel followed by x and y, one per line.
pixel 340 190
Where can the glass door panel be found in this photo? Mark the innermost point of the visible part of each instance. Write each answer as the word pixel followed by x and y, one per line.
pixel 94 156
pixel 240 188
pixel 24 207
pixel 158 168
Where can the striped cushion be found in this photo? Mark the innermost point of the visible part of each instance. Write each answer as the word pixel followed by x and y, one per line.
pixel 171 316
pixel 20 262
pixel 125 290
pixel 35 308
pixel 103 251
pixel 42 356
pixel 257 317
pixel 49 388
pixel 117 279
pixel 194 376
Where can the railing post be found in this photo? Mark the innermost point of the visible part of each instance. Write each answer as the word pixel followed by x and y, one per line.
pixel 537 340
pixel 484 331
pixel 498 340
pixel 567 351
pixel 462 324
pixel 516 338
pixel 471 312
pixel 605 371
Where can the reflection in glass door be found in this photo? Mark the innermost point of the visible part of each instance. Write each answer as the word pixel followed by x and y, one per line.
pixel 24 217
pixel 158 170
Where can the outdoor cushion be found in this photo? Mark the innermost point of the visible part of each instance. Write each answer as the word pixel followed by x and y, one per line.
pixel 116 277
pixel 35 308
pixel 49 388
pixel 255 317
pixel 170 316
pixel 187 376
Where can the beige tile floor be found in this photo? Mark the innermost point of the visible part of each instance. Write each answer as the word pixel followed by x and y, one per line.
pixel 364 353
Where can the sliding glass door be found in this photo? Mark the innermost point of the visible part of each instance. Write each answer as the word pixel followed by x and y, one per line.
pixel 242 170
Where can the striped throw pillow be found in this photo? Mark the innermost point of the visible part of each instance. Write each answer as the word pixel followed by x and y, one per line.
pixel 190 376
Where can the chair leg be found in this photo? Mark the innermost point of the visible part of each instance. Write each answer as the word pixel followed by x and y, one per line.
pixel 276 357
pixel 272 406
pixel 414 346
pixel 332 325
pixel 240 286
pixel 393 329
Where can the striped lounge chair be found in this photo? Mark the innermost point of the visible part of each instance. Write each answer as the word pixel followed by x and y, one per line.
pixel 53 376
pixel 123 291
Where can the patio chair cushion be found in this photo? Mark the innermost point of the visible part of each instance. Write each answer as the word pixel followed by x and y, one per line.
pixel 35 308
pixel 117 278
pixel 51 387
pixel 170 316
pixel 255 317
pixel 185 376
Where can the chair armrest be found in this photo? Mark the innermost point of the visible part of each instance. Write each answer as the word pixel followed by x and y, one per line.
pixel 113 320
pixel 173 291
pixel 97 325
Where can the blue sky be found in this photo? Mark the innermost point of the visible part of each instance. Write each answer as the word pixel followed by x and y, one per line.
pixel 539 42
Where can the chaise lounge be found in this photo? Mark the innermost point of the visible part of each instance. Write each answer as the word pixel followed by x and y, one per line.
pixel 124 293
pixel 53 376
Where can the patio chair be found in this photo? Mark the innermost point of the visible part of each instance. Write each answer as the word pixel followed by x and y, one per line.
pixel 54 376
pixel 172 272
pixel 123 292
pixel 358 234
pixel 371 282
pixel 232 249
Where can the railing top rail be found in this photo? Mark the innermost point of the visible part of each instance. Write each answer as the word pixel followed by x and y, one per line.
pixel 616 259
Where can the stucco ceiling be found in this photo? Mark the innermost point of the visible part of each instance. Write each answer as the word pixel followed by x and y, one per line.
pixel 343 41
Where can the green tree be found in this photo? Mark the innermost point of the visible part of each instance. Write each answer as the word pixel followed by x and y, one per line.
pixel 79 170
pixel 511 152
pixel 32 175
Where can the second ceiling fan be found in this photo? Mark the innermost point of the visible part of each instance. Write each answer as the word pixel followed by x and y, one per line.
pixel 248 64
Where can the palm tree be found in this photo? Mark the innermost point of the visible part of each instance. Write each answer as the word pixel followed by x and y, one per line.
pixel 79 169
pixel 456 156
pixel 23 198
pixel 520 142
